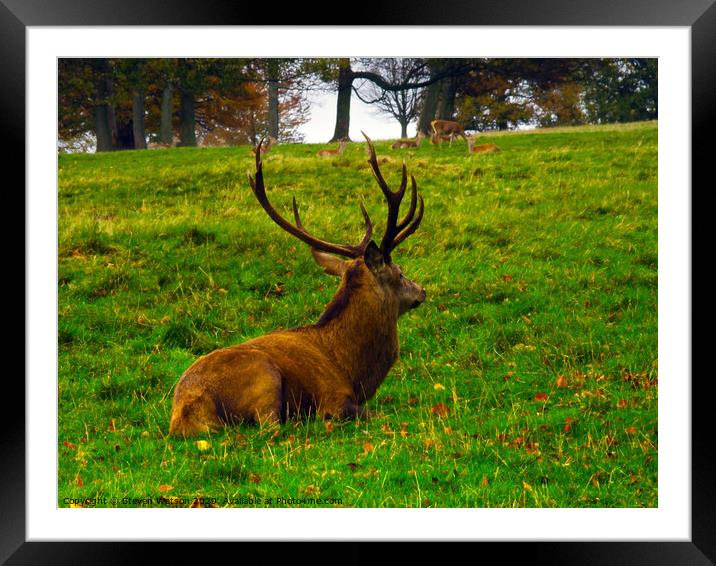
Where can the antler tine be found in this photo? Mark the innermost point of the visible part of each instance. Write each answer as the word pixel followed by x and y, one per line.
pixel 259 189
pixel 412 228
pixel 395 232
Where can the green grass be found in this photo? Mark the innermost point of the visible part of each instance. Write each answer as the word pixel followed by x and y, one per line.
pixel 527 379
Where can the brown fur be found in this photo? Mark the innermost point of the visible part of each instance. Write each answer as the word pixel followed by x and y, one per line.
pixel 481 148
pixel 442 128
pixel 403 144
pixel 328 369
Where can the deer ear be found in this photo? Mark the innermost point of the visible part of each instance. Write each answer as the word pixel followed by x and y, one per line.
pixel 330 263
pixel 373 257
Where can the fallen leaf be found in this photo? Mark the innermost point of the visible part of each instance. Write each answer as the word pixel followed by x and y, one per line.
pixel 561 381
pixel 69 445
pixel 165 487
pixel 484 481
pixel 438 387
pixel 329 426
pixel 630 430
pixel 567 425
pixel 622 404
pixel 367 447
pixel 526 486
pixel 440 410
pixel 112 426
pixel 255 478
pixel 541 397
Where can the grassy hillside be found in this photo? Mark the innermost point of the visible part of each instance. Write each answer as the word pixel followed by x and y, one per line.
pixel 528 377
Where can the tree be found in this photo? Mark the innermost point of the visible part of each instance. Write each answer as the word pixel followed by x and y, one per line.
pixel 341 73
pixel 621 90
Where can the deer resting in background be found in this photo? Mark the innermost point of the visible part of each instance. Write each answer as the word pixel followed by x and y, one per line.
pixel 329 368
pixel 333 152
pixel 481 148
pixel 403 144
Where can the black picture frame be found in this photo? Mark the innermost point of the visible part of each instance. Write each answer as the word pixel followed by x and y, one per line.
pixel 698 15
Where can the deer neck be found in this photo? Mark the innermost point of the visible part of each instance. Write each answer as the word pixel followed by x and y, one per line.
pixel 359 331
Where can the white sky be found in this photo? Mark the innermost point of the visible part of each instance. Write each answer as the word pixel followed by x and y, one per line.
pixel 320 127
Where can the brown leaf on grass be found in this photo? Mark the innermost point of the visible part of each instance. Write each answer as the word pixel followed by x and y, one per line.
pixel 507 277
pixel 630 430
pixel 387 430
pixel 69 445
pixel 329 426
pixel 526 486
pixel 541 397
pixel 404 430
pixel 567 425
pixel 165 487
pixel 112 426
pixel 561 381
pixel 484 481
pixel 412 400
pixel 78 481
pixel 440 410
pixel 255 478
pixel 367 448
pixel 622 404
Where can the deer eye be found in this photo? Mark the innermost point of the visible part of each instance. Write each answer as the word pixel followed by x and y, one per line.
pixel 401 275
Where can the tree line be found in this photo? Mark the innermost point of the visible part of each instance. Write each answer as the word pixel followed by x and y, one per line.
pixel 114 104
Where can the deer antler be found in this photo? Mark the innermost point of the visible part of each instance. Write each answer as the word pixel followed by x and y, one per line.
pixel 257 185
pixel 396 232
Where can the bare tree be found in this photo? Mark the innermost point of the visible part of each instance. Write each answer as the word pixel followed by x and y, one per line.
pixel 401 104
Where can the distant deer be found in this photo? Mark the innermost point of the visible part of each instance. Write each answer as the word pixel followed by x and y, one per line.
pixel 333 152
pixel 266 148
pixel 447 128
pixel 480 148
pixel 403 144
pixel 329 368
pixel 437 139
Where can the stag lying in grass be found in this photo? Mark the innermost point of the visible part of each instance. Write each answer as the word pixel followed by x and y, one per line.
pixel 329 368
pixel 333 152
pixel 481 148
pixel 403 144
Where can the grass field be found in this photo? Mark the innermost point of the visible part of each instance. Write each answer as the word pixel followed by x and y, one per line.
pixel 527 379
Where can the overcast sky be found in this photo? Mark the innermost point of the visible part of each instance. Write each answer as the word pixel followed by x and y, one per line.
pixel 320 127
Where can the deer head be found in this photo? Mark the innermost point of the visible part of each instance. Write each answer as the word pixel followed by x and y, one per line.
pixel 388 275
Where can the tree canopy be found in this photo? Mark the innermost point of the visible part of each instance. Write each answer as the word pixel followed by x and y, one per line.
pixel 113 104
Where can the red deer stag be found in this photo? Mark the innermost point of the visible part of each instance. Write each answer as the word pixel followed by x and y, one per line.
pixel 446 128
pixel 329 368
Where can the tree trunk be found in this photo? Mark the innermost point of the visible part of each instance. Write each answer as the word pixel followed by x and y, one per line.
pixel 343 106
pixel 446 109
pixel 166 131
pixel 403 128
pixel 125 135
pixel 430 104
pixel 103 114
pixel 273 77
pixel 140 139
pixel 187 119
